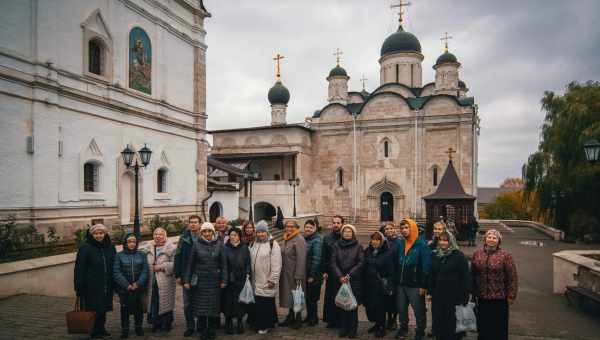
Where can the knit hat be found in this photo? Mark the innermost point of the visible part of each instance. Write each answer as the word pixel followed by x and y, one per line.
pixel 495 233
pixel 262 226
pixel 207 226
pixel 353 228
pixel 98 226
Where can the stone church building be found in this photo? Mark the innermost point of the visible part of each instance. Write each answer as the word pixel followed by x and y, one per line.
pixel 370 156
pixel 81 80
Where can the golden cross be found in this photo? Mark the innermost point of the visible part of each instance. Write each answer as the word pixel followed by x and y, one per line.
pixel 337 55
pixel 277 59
pixel 445 39
pixel 450 152
pixel 363 80
pixel 400 5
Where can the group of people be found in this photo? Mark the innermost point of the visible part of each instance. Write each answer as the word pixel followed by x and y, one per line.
pixel 397 269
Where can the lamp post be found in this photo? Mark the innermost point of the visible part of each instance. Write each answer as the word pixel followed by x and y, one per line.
pixel 250 177
pixel 557 197
pixel 294 183
pixel 132 162
pixel 592 151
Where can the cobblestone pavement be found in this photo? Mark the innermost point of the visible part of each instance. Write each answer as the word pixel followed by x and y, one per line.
pixel 536 315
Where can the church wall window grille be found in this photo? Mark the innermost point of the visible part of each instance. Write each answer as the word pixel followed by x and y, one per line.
pixel 339 177
pixel 91 177
pixel 435 175
pixel 386 149
pixel 96 56
pixel 161 180
pixel 140 61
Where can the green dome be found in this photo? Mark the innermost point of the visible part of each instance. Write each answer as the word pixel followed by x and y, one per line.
pixel 447 57
pixel 400 41
pixel 279 94
pixel 338 71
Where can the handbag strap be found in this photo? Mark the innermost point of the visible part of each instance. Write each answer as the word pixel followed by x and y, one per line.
pixel 77 306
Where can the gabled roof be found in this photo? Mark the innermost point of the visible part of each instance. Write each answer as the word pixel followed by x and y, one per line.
pixel 449 187
pixel 228 168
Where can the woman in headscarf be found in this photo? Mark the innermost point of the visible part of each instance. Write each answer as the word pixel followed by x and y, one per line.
pixel 160 254
pixel 391 233
pixel 449 286
pixel 265 256
pixel 93 276
pixel 438 228
pixel 495 286
pixel 206 275
pixel 293 271
pixel 347 264
pixel 130 273
pixel 378 282
pixel 238 267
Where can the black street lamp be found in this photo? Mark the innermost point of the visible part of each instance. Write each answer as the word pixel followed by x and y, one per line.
pixel 592 151
pixel 131 162
pixel 250 177
pixel 557 198
pixel 294 183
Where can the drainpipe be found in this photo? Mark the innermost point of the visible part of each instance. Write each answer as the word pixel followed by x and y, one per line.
pixel 354 170
pixel 416 169
pixel 210 194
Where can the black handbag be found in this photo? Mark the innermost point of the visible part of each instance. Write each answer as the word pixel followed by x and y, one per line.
pixel 386 285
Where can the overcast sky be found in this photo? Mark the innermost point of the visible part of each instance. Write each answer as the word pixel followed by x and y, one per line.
pixel 511 52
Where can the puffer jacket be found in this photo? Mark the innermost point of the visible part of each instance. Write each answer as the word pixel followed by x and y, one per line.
pixel 313 257
pixel 348 259
pixel 266 261
pixel 182 253
pixel 130 267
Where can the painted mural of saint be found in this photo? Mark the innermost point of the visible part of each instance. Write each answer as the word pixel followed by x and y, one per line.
pixel 140 61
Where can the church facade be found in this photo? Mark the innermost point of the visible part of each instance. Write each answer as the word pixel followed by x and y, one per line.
pixel 369 156
pixel 80 81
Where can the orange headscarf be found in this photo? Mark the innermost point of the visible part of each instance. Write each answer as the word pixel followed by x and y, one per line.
pixel 414 234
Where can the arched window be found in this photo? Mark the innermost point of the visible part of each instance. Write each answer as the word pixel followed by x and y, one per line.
pixel 339 177
pixel 161 180
pixel 91 177
pixel 435 175
pixel 386 149
pixel 96 56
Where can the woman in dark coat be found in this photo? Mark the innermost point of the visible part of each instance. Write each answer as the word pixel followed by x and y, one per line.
pixel 391 233
pixel 206 275
pixel 347 265
pixel 313 271
pixel 378 281
pixel 238 266
pixel 449 286
pixel 93 276
pixel 130 272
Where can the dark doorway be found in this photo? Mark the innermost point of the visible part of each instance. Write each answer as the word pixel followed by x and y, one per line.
pixel 215 211
pixel 386 206
pixel 264 211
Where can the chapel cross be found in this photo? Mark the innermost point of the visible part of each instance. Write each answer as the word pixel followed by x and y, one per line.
pixel 400 5
pixel 450 152
pixel 277 59
pixel 445 39
pixel 337 55
pixel 363 80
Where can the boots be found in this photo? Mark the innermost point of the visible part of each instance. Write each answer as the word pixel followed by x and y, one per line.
pixel 297 322
pixel 139 331
pixel 124 333
pixel 240 326
pixel 228 326
pixel 380 332
pixel 289 320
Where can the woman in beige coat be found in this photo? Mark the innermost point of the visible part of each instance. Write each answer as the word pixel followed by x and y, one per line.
pixel 265 257
pixel 293 271
pixel 161 286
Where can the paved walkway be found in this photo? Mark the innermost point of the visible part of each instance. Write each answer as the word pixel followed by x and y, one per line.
pixel 537 314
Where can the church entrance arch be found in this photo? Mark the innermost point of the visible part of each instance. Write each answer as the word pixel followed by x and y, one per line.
pixel 216 210
pixel 264 211
pixel 386 207
pixel 385 201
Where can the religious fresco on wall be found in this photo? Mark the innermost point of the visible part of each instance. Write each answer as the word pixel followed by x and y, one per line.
pixel 140 61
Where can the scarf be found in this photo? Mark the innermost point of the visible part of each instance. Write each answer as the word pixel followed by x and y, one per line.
pixel 288 236
pixel 414 234
pixel 452 246
pixel 489 250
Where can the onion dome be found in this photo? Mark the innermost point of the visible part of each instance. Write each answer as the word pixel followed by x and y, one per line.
pixel 338 71
pixel 447 57
pixel 461 84
pixel 400 41
pixel 279 94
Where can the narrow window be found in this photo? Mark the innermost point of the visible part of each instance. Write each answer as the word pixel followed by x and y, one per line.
pixel 435 176
pixel 161 181
pixel 340 177
pixel 95 57
pixel 386 149
pixel 397 73
pixel 90 177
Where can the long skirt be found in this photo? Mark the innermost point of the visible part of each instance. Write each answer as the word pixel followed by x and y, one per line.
pixel 492 319
pixel 330 310
pixel 265 312
pixel 164 320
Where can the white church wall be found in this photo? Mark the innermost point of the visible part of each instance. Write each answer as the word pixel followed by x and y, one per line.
pixel 229 200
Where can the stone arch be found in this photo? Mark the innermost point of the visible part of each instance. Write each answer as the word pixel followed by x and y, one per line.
pixel 279 140
pixel 385 105
pixel 252 140
pixel 376 190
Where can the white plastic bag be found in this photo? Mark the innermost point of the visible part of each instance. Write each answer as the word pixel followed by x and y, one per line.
pixel 345 298
pixel 299 301
pixel 247 294
pixel 465 318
